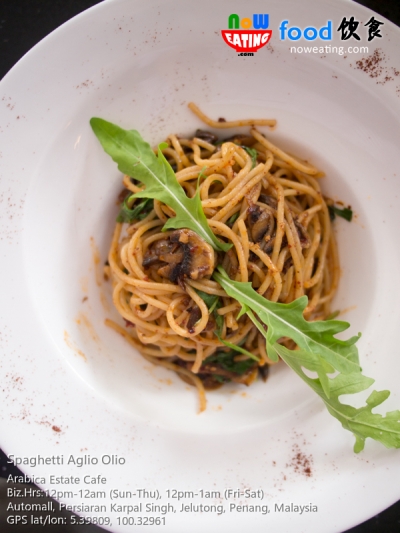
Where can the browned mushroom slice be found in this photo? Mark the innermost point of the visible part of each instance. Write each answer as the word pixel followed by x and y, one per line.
pixel 198 255
pixel 171 272
pixel 302 233
pixel 242 140
pixel 263 371
pixel 183 255
pixel 194 317
pixel 206 136
pixel 122 195
pixel 158 251
pixel 269 200
pixel 287 264
pixel 211 324
pixel 149 259
pixel 261 222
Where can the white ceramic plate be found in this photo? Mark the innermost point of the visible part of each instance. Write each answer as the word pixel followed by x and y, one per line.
pixel 73 387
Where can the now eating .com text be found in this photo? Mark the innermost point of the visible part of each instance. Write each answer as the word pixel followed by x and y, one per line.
pixel 340 50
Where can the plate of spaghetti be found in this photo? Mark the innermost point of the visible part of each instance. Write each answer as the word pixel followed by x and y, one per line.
pixel 200 267
pixel 268 206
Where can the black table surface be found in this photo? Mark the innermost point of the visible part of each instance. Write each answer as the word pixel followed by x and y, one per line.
pixel 23 23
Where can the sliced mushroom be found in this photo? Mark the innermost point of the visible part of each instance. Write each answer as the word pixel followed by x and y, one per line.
pixel 302 233
pixel 261 222
pixel 194 317
pixel 122 195
pixel 242 140
pixel 161 251
pixel 198 255
pixel 211 324
pixel 263 371
pixel 183 255
pixel 269 200
pixel 206 136
pixel 287 264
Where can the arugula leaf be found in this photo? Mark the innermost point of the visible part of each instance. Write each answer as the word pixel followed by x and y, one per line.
pixel 286 320
pixel 215 306
pixel 213 303
pixel 135 158
pixel 202 173
pixel 361 421
pixel 126 214
pixel 345 213
pixel 239 349
pixel 319 351
pixel 233 219
pixel 220 379
pixel 252 153
pixel 219 319
pixel 227 361
pixel 209 299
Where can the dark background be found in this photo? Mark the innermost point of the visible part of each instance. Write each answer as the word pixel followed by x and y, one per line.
pixel 23 23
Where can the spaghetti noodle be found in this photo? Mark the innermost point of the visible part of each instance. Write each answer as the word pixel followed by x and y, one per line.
pixel 268 205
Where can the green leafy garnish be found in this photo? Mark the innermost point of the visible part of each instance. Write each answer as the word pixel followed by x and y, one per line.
pixel 226 360
pixel 214 306
pixel 126 214
pixel 286 320
pixel 219 319
pixel 209 299
pixel 252 153
pixel 362 422
pixel 136 158
pixel 320 352
pixel 213 303
pixel 220 379
pixel 202 173
pixel 345 213
pixel 239 349
pixel 231 220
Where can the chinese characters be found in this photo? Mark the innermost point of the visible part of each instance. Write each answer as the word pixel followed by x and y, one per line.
pixel 349 27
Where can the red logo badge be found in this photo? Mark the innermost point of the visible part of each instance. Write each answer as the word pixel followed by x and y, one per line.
pixel 246 39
